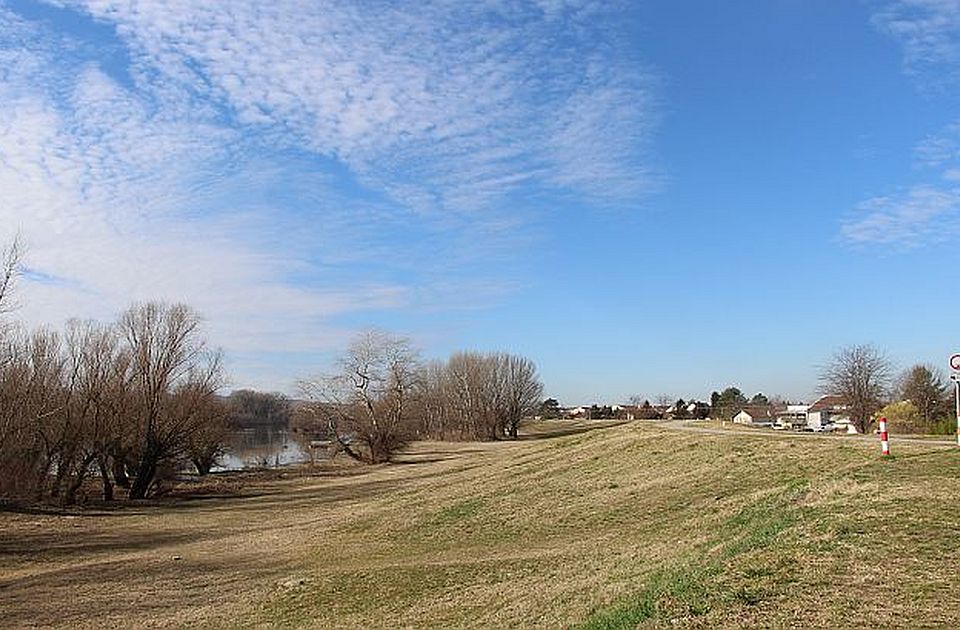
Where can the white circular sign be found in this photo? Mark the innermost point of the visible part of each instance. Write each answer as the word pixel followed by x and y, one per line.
pixel 955 362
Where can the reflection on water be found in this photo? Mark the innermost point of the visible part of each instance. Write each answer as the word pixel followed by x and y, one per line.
pixel 262 448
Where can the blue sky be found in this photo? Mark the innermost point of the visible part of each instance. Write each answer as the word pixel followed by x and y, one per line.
pixel 644 197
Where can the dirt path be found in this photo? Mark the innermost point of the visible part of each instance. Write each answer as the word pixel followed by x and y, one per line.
pixel 763 432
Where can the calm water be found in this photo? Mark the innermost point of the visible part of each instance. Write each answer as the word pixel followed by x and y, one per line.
pixel 263 448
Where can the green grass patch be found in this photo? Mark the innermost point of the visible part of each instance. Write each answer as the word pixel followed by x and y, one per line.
pixel 459 511
pixel 679 592
pixel 691 589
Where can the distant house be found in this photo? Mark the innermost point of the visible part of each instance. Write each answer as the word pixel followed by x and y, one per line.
pixel 829 410
pixel 755 414
pixel 792 417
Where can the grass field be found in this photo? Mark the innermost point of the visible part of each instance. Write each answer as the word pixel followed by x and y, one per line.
pixel 609 528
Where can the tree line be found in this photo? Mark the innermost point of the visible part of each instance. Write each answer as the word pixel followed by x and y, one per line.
pixel 382 395
pixel 135 400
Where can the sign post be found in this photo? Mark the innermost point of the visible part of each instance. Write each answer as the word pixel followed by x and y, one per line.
pixel 884 438
pixel 955 377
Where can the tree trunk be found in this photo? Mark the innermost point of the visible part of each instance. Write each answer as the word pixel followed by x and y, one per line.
pixel 146 471
pixel 105 478
pixel 120 470
pixel 70 496
pixel 203 465
pixel 117 456
pixel 343 446
pixel 57 480
pixel 141 484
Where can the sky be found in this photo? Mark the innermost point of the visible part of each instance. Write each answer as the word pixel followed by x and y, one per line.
pixel 646 198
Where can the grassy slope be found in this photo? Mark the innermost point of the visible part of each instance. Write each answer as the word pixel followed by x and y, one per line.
pixel 611 528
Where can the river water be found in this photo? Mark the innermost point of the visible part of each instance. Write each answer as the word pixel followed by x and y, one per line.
pixel 262 448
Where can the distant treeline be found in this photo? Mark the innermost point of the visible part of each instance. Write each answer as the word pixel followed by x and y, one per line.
pixel 249 409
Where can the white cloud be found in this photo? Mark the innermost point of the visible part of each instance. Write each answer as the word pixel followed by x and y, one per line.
pixel 101 209
pixel 926 212
pixel 443 104
pixel 101 189
pixel 941 148
pixel 921 215
pixel 928 29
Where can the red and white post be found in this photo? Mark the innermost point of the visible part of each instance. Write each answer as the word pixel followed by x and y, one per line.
pixel 956 383
pixel 955 377
pixel 884 438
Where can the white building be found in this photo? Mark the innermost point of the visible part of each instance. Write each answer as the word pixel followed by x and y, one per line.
pixel 829 410
pixel 754 414
pixel 793 417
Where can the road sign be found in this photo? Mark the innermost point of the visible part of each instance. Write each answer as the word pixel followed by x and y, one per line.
pixel 955 362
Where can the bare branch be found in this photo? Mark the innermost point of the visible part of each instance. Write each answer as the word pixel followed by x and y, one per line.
pixel 11 259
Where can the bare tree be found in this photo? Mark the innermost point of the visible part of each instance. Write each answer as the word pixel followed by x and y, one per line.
pixel 206 421
pixel 861 375
pixel 98 396
pixel 432 400
pixel 472 394
pixel 663 400
pixel 523 390
pixel 60 404
pixel 367 401
pixel 95 401
pixel 468 394
pixel 30 400
pixel 173 375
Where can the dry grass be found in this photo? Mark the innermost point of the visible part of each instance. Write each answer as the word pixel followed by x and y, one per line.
pixel 612 528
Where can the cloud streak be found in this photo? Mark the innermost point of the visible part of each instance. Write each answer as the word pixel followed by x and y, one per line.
pixel 921 215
